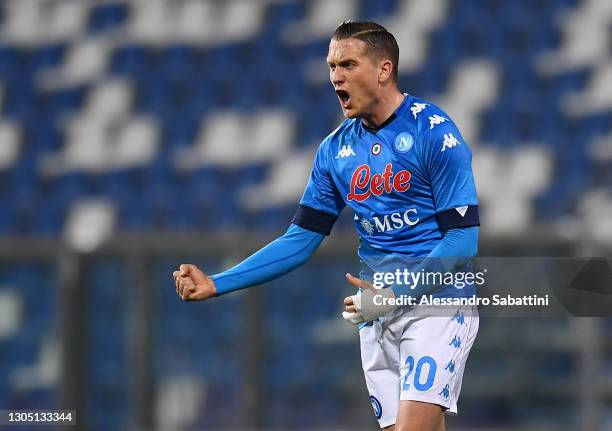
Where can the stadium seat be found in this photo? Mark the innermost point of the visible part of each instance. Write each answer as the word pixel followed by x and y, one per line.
pixel 224 103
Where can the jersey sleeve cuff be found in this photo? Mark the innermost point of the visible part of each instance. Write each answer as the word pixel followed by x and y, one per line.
pixel 314 220
pixel 466 216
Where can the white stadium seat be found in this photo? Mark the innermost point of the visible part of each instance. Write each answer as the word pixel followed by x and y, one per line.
pixel 66 20
pixel 474 87
pixel 507 184
pixel 149 20
pixel 22 23
pixel 136 143
pixel 85 62
pixel 411 25
pixel 284 183
pixel 271 135
pixel 11 309
pixel 586 38
pixel 325 15
pixel 90 223
pixel 10 143
pixel 196 21
pixel 596 97
pixel 234 139
pixel 240 19
pixel 109 101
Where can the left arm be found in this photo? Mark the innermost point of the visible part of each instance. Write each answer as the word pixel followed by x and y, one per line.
pixel 457 242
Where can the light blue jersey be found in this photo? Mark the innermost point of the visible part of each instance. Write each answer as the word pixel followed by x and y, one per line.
pixel 407 181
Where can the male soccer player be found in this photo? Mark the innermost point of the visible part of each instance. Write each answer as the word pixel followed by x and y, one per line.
pixel 401 164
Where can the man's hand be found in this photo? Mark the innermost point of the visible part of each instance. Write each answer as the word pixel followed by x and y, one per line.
pixel 352 304
pixel 361 308
pixel 192 284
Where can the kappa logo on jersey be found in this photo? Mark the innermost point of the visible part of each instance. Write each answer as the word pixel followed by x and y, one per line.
pixel 364 184
pixel 449 142
pixel 396 220
pixel 435 120
pixel 403 142
pixel 417 108
pixel 345 151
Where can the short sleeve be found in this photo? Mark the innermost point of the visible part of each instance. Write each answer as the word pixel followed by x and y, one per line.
pixel 448 162
pixel 321 193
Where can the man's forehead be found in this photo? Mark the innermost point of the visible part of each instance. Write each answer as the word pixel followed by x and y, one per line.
pixel 340 49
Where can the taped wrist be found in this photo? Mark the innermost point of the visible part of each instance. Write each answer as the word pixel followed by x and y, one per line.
pixel 375 303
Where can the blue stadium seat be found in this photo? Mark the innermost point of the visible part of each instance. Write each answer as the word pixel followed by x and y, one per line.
pixel 132 60
pixel 11 63
pixel 107 17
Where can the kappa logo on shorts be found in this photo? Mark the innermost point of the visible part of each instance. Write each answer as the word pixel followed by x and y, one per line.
pixel 376 406
pixel 455 342
pixel 450 366
pixel 445 392
pixel 459 317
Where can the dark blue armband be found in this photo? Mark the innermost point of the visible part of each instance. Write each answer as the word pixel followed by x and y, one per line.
pixel 461 217
pixel 314 220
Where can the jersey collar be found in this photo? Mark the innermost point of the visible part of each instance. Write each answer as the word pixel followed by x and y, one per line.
pixel 389 120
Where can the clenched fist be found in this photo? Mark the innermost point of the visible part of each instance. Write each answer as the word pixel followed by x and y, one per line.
pixel 192 284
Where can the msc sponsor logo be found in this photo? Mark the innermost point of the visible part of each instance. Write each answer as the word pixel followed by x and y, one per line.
pixel 365 184
pixel 395 221
pixel 390 222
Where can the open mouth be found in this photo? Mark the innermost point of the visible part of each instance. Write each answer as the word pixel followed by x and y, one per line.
pixel 343 96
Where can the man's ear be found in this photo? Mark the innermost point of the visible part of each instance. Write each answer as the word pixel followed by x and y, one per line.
pixel 385 70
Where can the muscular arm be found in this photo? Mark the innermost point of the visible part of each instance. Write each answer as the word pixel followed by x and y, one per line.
pixel 279 257
pixel 461 243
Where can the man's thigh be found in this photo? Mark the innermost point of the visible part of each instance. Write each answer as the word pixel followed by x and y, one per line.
pixel 381 367
pixel 433 353
pixel 417 416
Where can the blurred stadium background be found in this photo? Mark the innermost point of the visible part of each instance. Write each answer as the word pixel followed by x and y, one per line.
pixel 135 135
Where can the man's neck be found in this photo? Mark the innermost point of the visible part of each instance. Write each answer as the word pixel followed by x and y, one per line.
pixel 384 108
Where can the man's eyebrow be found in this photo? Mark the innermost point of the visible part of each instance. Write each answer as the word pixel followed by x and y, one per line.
pixel 341 61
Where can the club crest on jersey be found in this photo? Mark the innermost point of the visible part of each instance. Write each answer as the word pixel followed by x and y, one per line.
pixel 365 184
pixel 403 142
pixel 376 149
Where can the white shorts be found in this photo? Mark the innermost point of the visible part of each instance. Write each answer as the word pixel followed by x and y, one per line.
pixel 412 354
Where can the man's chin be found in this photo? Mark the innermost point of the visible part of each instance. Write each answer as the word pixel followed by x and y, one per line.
pixel 350 113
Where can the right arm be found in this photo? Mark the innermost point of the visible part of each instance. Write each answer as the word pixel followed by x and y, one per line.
pixel 319 208
pixel 279 257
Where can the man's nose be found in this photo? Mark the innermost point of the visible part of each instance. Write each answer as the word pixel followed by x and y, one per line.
pixel 337 77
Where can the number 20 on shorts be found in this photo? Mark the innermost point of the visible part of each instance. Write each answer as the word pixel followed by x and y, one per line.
pixel 431 368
